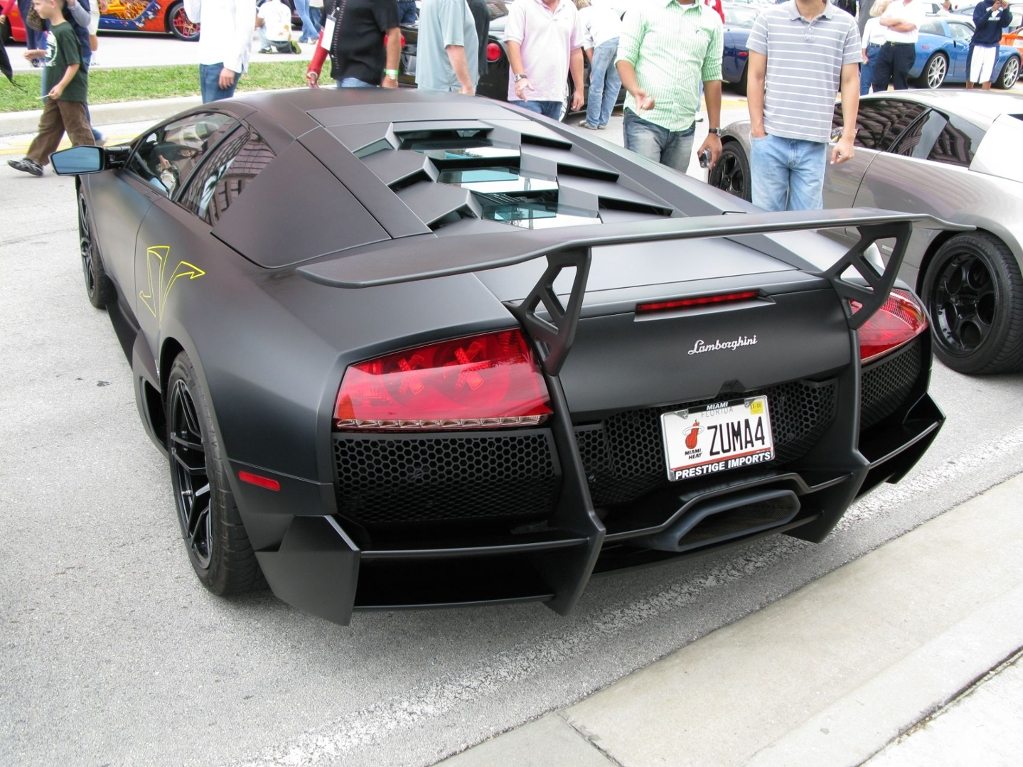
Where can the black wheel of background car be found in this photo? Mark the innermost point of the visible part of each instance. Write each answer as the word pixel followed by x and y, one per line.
pixel 217 544
pixel 179 25
pixel 98 286
pixel 1009 75
pixel 934 71
pixel 731 171
pixel 974 296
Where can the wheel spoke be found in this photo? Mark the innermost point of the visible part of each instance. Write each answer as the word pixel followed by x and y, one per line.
pixel 195 522
pixel 195 468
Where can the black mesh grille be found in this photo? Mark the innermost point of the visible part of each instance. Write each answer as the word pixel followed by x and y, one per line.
pixel 624 454
pixel 418 478
pixel 885 385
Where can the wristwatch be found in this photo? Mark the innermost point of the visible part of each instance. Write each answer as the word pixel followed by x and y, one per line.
pixel 521 76
pixel 715 131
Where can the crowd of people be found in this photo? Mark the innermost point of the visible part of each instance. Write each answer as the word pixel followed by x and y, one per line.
pixel 667 54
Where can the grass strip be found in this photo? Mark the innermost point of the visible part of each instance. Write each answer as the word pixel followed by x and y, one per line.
pixel 132 84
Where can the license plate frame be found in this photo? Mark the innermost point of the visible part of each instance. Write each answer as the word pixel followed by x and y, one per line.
pixel 722 436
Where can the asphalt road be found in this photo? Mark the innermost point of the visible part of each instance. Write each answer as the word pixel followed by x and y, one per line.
pixel 112 653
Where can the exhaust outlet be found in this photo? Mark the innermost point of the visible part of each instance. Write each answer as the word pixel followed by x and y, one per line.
pixel 721 519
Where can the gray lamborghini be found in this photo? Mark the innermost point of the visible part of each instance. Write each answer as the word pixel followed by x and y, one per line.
pixel 951 154
pixel 407 349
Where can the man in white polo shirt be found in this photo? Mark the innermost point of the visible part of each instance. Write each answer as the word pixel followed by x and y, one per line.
pixel 901 20
pixel 544 42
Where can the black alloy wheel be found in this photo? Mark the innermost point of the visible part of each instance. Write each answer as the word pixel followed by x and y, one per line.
pixel 974 295
pixel 98 287
pixel 731 171
pixel 215 538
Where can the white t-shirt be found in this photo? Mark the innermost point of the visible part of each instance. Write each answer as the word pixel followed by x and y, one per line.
pixel 913 12
pixel 277 17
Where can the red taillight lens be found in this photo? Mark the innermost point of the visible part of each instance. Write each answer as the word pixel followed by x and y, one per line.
pixel 484 381
pixel 899 320
pixel 493 52
pixel 696 302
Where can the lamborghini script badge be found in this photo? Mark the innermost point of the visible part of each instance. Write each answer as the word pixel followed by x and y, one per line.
pixel 162 277
pixel 701 346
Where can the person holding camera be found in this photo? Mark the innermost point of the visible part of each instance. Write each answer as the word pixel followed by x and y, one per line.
pixel 990 18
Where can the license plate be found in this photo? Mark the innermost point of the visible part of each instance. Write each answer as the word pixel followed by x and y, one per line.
pixel 726 435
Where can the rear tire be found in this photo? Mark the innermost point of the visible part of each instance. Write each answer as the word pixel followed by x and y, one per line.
pixel 743 83
pixel 731 172
pixel 218 546
pixel 974 296
pixel 934 72
pixel 178 23
pixel 1009 74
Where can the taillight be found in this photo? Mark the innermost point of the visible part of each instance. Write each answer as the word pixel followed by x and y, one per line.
pixel 696 302
pixel 899 320
pixel 484 381
pixel 493 52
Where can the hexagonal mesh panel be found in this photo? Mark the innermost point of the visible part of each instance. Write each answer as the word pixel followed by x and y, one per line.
pixel 624 454
pixel 885 385
pixel 426 478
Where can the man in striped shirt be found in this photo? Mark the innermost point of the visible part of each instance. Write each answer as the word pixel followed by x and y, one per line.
pixel 801 53
pixel 666 48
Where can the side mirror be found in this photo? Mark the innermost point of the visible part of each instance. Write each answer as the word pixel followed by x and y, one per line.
pixel 88 159
pixel 76 160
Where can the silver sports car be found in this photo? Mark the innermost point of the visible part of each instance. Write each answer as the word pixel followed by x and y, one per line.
pixel 953 154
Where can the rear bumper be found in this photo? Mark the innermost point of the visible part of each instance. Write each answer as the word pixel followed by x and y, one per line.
pixel 491 551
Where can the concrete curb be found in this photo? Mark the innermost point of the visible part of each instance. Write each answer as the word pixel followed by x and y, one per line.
pixel 829 675
pixel 17 123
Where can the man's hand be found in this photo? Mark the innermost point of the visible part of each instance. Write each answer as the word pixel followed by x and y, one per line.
pixel 713 143
pixel 521 86
pixel 843 151
pixel 56 91
pixel 578 99
pixel 226 79
pixel 643 100
pixel 312 78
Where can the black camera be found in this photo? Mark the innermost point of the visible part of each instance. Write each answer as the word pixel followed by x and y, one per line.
pixel 705 158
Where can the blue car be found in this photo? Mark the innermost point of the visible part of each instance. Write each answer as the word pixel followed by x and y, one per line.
pixel 943 53
pixel 738 23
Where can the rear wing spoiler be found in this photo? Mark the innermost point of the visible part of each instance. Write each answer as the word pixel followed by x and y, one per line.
pixel 411 259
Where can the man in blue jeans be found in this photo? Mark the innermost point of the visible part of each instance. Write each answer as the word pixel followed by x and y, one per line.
pixel 225 37
pixel 665 51
pixel 800 54
pixel 602 21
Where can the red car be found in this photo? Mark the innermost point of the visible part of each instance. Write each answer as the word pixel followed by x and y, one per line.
pixel 124 16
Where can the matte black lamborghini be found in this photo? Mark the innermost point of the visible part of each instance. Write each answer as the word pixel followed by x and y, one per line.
pixel 409 349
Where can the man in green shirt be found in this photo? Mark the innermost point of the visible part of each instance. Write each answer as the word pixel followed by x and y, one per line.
pixel 64 109
pixel 666 50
